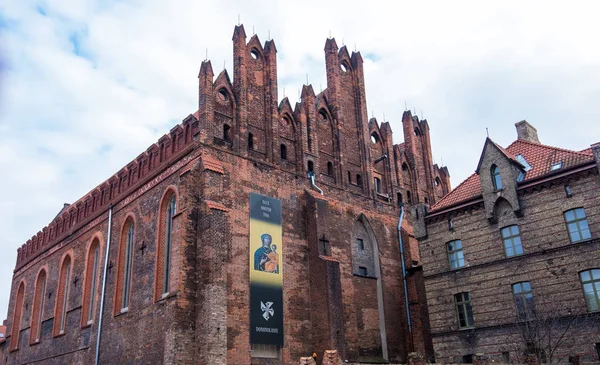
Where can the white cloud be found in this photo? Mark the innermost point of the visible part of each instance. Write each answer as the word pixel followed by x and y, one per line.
pixel 70 120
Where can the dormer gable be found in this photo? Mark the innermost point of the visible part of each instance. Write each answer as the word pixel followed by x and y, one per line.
pixel 498 173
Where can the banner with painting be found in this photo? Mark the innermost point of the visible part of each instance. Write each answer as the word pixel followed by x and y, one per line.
pixel 266 271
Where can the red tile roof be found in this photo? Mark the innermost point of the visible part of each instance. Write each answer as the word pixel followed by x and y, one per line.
pixel 216 206
pixel 212 164
pixel 539 156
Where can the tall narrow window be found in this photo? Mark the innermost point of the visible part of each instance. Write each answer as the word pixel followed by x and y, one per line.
pixel 512 241
pixel 496 180
pixel 16 323
pixel 330 168
pixel 523 299
pixel 91 282
pixel 226 132
pixel 408 197
pixel 250 141
pixel 35 332
pixel 464 310
pixel 358 180
pixel 590 281
pixel 283 151
pixel 577 225
pixel 62 297
pixel 168 208
pixel 349 177
pixel 169 234
pixel 311 167
pixel 399 198
pixel 127 276
pixel 124 269
pixel 455 254
pixel 377 185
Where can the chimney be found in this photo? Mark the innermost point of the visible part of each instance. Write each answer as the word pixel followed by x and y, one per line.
pixel 527 132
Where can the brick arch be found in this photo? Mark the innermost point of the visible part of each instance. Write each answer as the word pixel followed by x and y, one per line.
pixel 362 225
pixel 61 307
pixel 504 212
pixel 18 313
pixel 124 265
pixel 164 244
pixel 37 309
pixel 91 277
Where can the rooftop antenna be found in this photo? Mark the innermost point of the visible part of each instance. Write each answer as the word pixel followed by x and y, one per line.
pixel 238 20
pixel 487 132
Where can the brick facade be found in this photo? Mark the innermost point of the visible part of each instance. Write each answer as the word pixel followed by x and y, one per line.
pixel 241 141
pixel 544 255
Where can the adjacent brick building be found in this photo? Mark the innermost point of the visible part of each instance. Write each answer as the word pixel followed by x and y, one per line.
pixel 511 256
pixel 176 220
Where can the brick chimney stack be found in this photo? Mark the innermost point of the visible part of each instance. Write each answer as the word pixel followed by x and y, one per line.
pixel 527 132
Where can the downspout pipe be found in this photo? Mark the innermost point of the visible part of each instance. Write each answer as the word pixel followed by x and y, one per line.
pixel 103 284
pixel 400 219
pixel 311 175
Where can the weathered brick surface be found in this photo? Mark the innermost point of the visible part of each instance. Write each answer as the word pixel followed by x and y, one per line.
pixel 212 169
pixel 550 262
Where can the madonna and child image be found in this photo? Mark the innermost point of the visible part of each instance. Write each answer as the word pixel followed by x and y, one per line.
pixel 265 257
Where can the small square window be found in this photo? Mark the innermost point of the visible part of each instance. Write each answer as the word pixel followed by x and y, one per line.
pixel 361 244
pixel 568 191
pixel 362 271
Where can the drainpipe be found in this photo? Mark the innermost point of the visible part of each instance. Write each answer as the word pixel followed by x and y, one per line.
pixel 311 175
pixel 404 275
pixel 103 284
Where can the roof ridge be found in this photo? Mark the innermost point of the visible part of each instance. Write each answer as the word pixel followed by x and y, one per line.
pixel 548 146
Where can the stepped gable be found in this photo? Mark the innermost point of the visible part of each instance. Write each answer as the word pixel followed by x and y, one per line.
pixel 541 158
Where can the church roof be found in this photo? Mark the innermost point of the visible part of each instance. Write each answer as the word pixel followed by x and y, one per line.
pixel 542 159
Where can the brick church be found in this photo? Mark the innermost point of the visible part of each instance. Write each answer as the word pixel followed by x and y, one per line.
pixel 253 232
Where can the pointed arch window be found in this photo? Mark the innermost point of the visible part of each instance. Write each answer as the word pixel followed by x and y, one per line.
pixel 124 268
pixel 496 180
pixel 163 266
pixel 35 332
pixel 62 297
pixel 16 323
pixel 90 284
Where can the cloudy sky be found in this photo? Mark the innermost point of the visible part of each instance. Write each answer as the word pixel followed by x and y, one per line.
pixel 85 86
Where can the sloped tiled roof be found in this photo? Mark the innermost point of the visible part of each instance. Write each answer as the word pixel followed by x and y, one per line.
pixel 540 157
